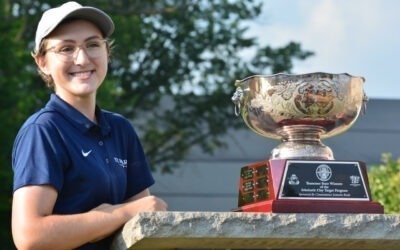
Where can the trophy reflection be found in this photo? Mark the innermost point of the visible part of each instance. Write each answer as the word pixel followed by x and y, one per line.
pixel 301 174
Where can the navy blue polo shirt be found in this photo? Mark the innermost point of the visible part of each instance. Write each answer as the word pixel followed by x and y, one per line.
pixel 87 163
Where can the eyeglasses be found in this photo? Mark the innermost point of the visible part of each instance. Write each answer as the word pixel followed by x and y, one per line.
pixel 67 52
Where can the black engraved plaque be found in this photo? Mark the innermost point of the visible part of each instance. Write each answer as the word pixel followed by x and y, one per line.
pixel 323 180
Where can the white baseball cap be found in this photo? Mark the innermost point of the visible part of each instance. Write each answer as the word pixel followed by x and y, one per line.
pixel 53 17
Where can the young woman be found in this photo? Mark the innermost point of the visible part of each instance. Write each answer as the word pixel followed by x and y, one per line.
pixel 80 172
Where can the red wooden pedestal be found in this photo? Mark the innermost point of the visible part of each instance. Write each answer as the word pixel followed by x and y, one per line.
pixel 259 190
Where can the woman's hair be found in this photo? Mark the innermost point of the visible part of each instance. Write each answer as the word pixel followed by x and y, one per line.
pixel 42 52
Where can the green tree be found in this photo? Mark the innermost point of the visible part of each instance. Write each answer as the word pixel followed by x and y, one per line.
pixel 172 72
pixel 385 183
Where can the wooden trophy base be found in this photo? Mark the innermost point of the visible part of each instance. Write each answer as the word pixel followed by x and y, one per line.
pixel 307 206
pixel 291 186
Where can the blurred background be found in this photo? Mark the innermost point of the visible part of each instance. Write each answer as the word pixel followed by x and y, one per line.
pixel 357 37
pixel 173 70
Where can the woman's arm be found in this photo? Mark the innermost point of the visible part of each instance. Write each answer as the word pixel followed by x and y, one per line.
pixel 35 227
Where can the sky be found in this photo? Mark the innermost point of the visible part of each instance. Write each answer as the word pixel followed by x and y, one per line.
pixel 359 37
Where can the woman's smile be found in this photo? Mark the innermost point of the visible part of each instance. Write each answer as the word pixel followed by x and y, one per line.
pixel 82 74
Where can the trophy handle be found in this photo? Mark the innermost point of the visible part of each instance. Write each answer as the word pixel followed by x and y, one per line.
pixel 364 107
pixel 237 99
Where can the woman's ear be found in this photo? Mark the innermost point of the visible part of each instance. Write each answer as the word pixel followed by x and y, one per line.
pixel 41 63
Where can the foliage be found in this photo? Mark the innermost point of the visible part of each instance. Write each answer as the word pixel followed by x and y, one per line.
pixel 172 73
pixel 385 183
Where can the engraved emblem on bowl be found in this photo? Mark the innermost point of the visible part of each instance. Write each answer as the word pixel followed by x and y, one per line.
pixel 315 98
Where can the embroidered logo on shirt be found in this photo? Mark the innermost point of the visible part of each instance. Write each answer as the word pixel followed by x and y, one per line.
pixel 85 154
pixel 122 163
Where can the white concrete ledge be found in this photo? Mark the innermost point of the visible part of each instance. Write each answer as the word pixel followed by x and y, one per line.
pixel 231 230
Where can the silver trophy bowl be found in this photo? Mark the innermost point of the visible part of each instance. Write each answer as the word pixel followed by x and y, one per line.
pixel 300 110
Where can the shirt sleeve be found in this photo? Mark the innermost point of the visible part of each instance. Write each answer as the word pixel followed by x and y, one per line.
pixel 38 157
pixel 139 176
